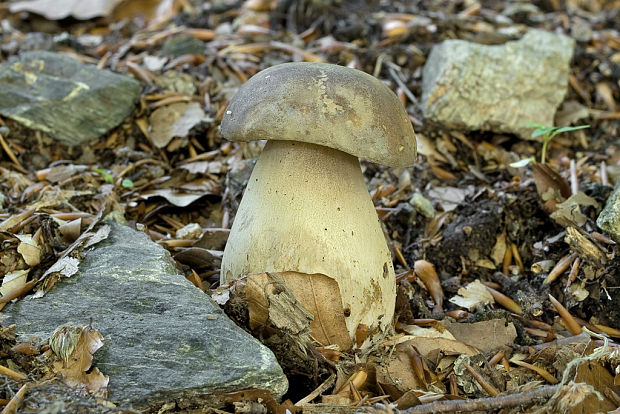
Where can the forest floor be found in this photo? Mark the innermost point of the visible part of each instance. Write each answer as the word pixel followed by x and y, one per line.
pixel 462 208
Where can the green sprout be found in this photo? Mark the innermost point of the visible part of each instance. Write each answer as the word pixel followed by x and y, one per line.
pixel 547 133
pixel 109 178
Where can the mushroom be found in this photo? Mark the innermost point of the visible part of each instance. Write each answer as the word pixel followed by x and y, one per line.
pixel 306 208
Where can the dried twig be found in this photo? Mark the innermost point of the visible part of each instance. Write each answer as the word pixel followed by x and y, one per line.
pixel 486 404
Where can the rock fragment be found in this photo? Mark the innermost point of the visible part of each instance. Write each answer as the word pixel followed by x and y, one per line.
pixel 498 88
pixel 71 101
pixel 609 219
pixel 165 339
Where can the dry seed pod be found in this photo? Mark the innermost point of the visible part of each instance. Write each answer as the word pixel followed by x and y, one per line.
pixel 426 272
pixel 505 301
pixel 25 348
pixel 394 28
pixel 356 380
pixel 329 353
pixel 258 5
pixel 457 314
pixel 360 334
pixel 486 385
pixel 571 324
pixel 560 267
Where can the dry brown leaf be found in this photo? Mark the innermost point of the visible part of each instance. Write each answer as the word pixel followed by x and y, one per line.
pixel 13 280
pixel 568 212
pixel 550 185
pixel 70 231
pixel 407 400
pixel 175 120
pixel 499 249
pixel 63 172
pixel 174 197
pixel 398 376
pixel 213 238
pixel 605 92
pixel 484 335
pixel 580 399
pixel 67 266
pixel 571 112
pixel 152 10
pixel 426 346
pixel 449 198
pixel 75 347
pixel 29 249
pixel 473 295
pixel 427 148
pixel 318 294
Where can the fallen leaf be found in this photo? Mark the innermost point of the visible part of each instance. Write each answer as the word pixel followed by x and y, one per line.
pixel 67 266
pixel 199 257
pixel 449 198
pixel 29 249
pixel 420 332
pixel 175 120
pixel 427 346
pixel 13 280
pixel 499 249
pixel 318 294
pixel 75 346
pixel 484 335
pixel 427 148
pixel 472 296
pixel 70 231
pixel 571 112
pixel 569 213
pixel 174 197
pixel 600 380
pixel 584 247
pixel 64 171
pixel 398 376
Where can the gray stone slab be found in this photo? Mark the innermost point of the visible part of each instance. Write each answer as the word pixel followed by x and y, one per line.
pixel 609 219
pixel 165 339
pixel 499 88
pixel 71 101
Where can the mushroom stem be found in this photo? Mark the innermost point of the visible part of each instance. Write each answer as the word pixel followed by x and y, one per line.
pixel 306 209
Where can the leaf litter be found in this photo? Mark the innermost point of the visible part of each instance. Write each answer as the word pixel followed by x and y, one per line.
pixel 51 209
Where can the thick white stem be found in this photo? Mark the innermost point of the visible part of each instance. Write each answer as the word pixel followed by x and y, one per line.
pixel 306 209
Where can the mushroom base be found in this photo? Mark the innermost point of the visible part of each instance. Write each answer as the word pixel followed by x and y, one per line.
pixel 306 209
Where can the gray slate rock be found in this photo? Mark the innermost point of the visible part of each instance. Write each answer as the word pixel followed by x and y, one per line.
pixel 499 88
pixel 182 44
pixel 609 219
pixel 71 101
pixel 165 339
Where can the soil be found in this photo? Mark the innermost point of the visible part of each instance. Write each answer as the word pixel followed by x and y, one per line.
pixel 500 203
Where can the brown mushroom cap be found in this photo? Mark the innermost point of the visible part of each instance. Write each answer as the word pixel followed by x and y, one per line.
pixel 323 104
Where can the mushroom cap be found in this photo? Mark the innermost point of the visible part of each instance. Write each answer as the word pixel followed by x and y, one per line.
pixel 324 104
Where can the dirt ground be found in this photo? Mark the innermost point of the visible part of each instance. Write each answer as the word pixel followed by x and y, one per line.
pixel 499 233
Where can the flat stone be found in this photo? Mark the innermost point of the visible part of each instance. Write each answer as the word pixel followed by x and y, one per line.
pixel 61 9
pixel 498 88
pixel 165 339
pixel 71 101
pixel 183 44
pixel 609 219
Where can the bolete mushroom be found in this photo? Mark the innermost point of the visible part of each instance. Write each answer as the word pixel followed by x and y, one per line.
pixel 306 208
